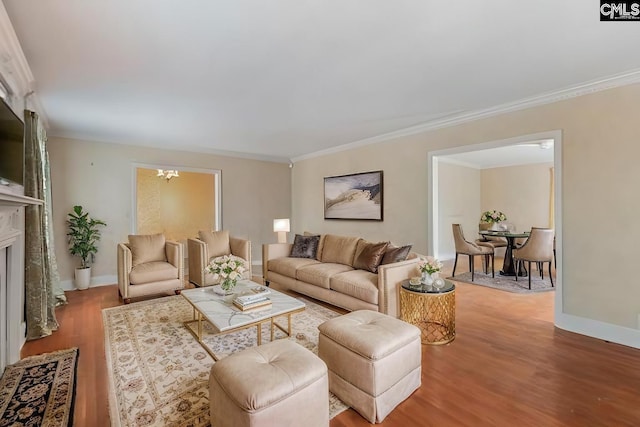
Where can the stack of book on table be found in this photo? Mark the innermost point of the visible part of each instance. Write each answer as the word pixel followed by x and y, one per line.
pixel 256 298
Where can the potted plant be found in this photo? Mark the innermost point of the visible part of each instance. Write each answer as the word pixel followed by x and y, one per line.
pixel 83 236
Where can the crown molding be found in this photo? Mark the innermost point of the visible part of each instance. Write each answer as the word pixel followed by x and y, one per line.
pixel 15 69
pixel 170 147
pixel 610 82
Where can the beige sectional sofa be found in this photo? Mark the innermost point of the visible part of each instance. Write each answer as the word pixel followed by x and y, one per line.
pixel 344 272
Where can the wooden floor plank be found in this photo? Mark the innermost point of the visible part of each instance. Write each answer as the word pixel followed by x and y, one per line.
pixel 507 366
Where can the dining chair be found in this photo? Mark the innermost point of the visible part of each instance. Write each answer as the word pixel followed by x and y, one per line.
pixel 539 249
pixel 555 263
pixel 471 249
pixel 492 242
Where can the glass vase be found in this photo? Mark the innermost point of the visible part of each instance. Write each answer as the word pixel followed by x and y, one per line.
pixel 427 278
pixel 228 285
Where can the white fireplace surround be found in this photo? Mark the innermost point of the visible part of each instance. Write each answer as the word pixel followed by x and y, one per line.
pixel 12 231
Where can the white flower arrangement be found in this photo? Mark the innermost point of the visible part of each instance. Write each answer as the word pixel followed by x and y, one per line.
pixel 493 216
pixel 226 268
pixel 429 265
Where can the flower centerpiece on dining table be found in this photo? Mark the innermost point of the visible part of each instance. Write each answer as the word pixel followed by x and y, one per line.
pixel 494 218
pixel 429 268
pixel 228 269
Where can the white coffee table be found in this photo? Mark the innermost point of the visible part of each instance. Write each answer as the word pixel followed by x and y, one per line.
pixel 224 317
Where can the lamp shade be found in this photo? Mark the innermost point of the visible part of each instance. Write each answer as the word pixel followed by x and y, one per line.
pixel 281 224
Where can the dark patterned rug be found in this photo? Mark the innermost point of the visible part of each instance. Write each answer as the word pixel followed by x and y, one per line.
pixel 507 283
pixel 39 390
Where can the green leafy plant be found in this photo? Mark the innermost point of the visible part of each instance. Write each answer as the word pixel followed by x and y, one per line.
pixel 83 235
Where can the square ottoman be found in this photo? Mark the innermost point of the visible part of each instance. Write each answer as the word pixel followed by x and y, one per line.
pixel 276 384
pixel 374 361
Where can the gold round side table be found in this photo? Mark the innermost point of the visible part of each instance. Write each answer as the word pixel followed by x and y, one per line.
pixel 430 309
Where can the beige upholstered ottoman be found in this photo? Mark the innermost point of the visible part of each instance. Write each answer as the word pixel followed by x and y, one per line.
pixel 276 384
pixel 374 361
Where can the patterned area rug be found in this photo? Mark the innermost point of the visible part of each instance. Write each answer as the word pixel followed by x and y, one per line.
pixel 507 283
pixel 39 390
pixel 159 373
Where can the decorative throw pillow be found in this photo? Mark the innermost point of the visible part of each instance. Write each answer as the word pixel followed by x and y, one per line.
pixel 217 242
pixel 395 254
pixel 305 246
pixel 319 251
pixel 147 248
pixel 369 255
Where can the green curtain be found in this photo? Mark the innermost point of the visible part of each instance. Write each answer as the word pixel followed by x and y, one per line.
pixel 42 281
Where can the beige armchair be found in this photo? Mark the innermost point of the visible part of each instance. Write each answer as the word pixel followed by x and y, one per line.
pixel 149 265
pixel 212 244
pixel 538 248
pixel 471 249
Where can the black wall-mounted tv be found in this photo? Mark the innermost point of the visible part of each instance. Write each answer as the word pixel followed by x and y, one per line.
pixel 11 146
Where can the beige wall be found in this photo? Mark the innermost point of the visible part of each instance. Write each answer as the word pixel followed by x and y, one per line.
pixel 99 177
pixel 459 198
pixel 600 176
pixel 521 192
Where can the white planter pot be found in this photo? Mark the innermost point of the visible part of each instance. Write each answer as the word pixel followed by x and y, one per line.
pixel 83 278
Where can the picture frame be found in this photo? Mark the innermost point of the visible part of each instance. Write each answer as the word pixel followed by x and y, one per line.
pixel 357 196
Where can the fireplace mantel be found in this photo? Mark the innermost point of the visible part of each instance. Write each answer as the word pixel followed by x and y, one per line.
pixel 12 230
pixel 9 199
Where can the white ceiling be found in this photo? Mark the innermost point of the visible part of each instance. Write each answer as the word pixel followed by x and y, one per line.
pixel 281 79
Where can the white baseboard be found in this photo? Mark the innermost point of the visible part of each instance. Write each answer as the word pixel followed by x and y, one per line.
pixel 600 330
pixel 67 285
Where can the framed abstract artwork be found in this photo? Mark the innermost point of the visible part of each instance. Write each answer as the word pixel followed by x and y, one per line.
pixel 356 196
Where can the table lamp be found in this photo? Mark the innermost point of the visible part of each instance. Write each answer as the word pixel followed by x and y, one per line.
pixel 281 226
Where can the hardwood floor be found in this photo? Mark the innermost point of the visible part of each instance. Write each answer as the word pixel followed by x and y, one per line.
pixel 507 366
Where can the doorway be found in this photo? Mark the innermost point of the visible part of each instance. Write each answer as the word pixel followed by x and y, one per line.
pixel 436 229
pixel 177 206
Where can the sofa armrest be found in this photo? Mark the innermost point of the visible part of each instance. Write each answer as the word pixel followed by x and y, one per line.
pixel 198 260
pixel 124 268
pixel 273 251
pixel 242 249
pixel 389 278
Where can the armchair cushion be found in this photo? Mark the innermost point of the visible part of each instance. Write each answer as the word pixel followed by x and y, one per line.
pixel 154 271
pixel 147 248
pixel 217 242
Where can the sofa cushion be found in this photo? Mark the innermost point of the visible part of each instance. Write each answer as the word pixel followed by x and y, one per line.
pixel 359 284
pixel 147 248
pixel 154 271
pixel 395 254
pixel 319 274
pixel 288 266
pixel 339 249
pixel 369 255
pixel 217 242
pixel 305 246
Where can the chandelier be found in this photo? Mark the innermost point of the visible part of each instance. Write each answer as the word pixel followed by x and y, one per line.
pixel 167 174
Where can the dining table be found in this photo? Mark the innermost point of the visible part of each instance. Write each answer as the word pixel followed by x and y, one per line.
pixel 508 267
